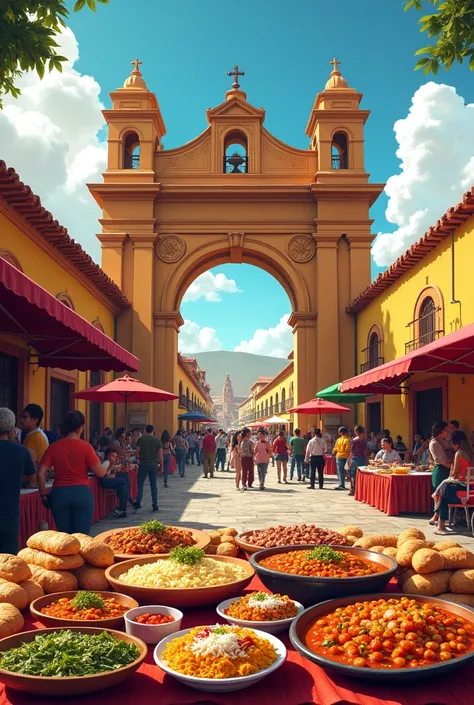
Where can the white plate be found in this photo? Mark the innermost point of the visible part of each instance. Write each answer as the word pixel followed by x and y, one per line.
pixel 273 627
pixel 220 684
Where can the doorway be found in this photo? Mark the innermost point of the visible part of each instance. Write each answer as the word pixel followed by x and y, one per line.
pixel 95 407
pixel 60 392
pixel 374 417
pixel 9 382
pixel 428 409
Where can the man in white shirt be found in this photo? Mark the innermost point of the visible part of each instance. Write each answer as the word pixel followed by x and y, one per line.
pixel 315 452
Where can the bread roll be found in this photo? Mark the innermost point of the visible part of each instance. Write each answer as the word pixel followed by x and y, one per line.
pixel 90 578
pixel 54 580
pixel 211 549
pixel 432 584
pixel 351 530
pixel 462 581
pixel 55 542
pixel 215 537
pixel 428 561
pixel 443 545
pixel 456 558
pixel 32 589
pixel 13 568
pixel 13 594
pixel 391 552
pixel 46 560
pixel 230 531
pixel 11 620
pixel 410 534
pixel 95 552
pixel 406 551
pixel 368 541
pixel 227 549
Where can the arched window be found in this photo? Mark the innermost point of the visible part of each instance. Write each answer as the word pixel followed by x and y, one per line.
pixel 283 399
pixel 66 300
pixel 131 151
pixel 374 348
pixel 236 159
pixel 11 259
pixel 339 152
pixel 276 404
pixel 187 397
pixel 427 322
pixel 180 393
pixel 271 405
pixel 291 396
pixel 97 324
pixel 266 408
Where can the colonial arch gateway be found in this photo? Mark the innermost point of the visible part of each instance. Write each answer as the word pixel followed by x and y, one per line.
pixel 237 194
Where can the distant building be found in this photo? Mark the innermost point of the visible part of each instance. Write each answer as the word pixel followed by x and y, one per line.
pixel 226 406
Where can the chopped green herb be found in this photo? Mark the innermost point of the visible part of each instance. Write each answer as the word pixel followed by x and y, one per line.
pixel 152 527
pixel 220 630
pixel 324 553
pixel 260 596
pixel 85 600
pixel 68 653
pixel 329 642
pixel 188 555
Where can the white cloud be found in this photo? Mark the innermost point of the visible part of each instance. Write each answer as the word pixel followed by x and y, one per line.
pixel 194 339
pixel 436 150
pixel 49 135
pixel 208 286
pixel 274 342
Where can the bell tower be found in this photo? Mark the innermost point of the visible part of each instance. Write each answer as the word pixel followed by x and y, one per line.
pixel 336 131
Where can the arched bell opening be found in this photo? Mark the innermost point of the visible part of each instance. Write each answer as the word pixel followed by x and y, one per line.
pixel 236 159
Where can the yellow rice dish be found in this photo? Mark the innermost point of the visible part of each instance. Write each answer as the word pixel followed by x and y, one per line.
pixel 221 651
pixel 167 573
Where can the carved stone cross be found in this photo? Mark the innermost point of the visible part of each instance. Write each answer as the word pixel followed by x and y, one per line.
pixel 236 73
pixel 335 63
pixel 136 64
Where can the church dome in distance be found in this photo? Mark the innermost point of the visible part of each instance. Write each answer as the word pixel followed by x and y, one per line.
pixel 135 80
pixel 336 79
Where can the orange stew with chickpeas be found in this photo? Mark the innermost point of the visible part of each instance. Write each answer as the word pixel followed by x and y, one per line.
pixel 88 606
pixel 394 633
pixel 322 562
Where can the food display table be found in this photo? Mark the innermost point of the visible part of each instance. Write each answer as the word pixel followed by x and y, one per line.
pixel 32 511
pixel 297 682
pixel 330 467
pixel 394 494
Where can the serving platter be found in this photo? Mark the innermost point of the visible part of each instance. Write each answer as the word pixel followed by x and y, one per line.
pixel 202 541
pixel 178 597
pixel 303 623
pixel 275 626
pixel 68 685
pixel 308 590
pixel 108 623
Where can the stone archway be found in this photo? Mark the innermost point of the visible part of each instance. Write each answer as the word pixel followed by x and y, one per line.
pixel 288 212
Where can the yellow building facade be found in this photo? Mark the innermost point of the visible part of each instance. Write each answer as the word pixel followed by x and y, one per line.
pixel 425 295
pixel 237 194
pixel 193 391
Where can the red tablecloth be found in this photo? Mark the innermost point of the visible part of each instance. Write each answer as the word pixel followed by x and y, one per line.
pixel 297 682
pixel 394 494
pixel 32 511
pixel 330 467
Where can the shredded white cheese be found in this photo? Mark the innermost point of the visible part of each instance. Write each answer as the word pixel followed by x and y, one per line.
pixel 218 645
pixel 269 602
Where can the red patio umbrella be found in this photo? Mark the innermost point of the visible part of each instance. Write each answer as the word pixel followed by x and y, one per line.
pixel 319 406
pixel 124 389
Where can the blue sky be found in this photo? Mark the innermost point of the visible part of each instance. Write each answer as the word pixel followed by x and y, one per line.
pixel 284 47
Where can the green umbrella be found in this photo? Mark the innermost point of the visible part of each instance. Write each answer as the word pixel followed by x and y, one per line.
pixel 332 393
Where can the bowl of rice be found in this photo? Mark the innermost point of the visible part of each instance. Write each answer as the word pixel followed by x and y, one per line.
pixel 220 657
pixel 269 612
pixel 185 578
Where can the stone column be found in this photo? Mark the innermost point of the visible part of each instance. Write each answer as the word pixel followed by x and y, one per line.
pixel 326 354
pixel 112 255
pixel 165 345
pixel 305 329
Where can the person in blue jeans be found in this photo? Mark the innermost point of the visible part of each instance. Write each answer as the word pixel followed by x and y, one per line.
pixel 358 456
pixel 150 456
pixel 167 454
pixel 181 450
pixel 221 449
pixel 298 449
pixel 120 483
pixel 341 450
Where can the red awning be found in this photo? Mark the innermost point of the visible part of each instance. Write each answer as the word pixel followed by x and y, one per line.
pixel 452 354
pixel 58 336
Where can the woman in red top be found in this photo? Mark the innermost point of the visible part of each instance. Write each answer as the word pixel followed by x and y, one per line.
pixel 71 499
pixel 449 490
pixel 280 448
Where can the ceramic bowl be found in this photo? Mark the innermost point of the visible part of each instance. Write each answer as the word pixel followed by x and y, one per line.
pixel 309 590
pixel 70 685
pixel 302 624
pixel 272 627
pixel 152 633
pixel 222 685
pixel 245 546
pixel 48 621
pixel 202 541
pixel 179 597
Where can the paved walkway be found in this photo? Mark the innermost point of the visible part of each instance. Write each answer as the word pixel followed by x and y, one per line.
pixel 214 503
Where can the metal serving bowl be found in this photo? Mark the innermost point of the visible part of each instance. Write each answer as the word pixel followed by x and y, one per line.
pixel 302 624
pixel 309 590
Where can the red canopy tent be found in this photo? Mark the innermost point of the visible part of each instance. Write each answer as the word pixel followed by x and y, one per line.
pixel 452 354
pixel 124 389
pixel 57 336
pixel 319 406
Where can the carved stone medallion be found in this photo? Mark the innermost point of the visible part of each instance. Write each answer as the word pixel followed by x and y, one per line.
pixel 301 248
pixel 170 248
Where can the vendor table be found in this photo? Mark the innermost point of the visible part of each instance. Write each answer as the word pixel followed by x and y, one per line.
pixel 297 682
pixel 32 511
pixel 394 494
pixel 330 467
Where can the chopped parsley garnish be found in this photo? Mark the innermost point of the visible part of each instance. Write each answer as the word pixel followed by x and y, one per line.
pixel 324 553
pixel 152 527
pixel 188 555
pixel 329 642
pixel 220 630
pixel 85 600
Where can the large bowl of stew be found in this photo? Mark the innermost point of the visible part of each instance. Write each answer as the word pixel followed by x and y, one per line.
pixel 332 571
pixel 438 636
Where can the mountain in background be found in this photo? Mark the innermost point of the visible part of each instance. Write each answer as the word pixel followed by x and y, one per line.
pixel 244 369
